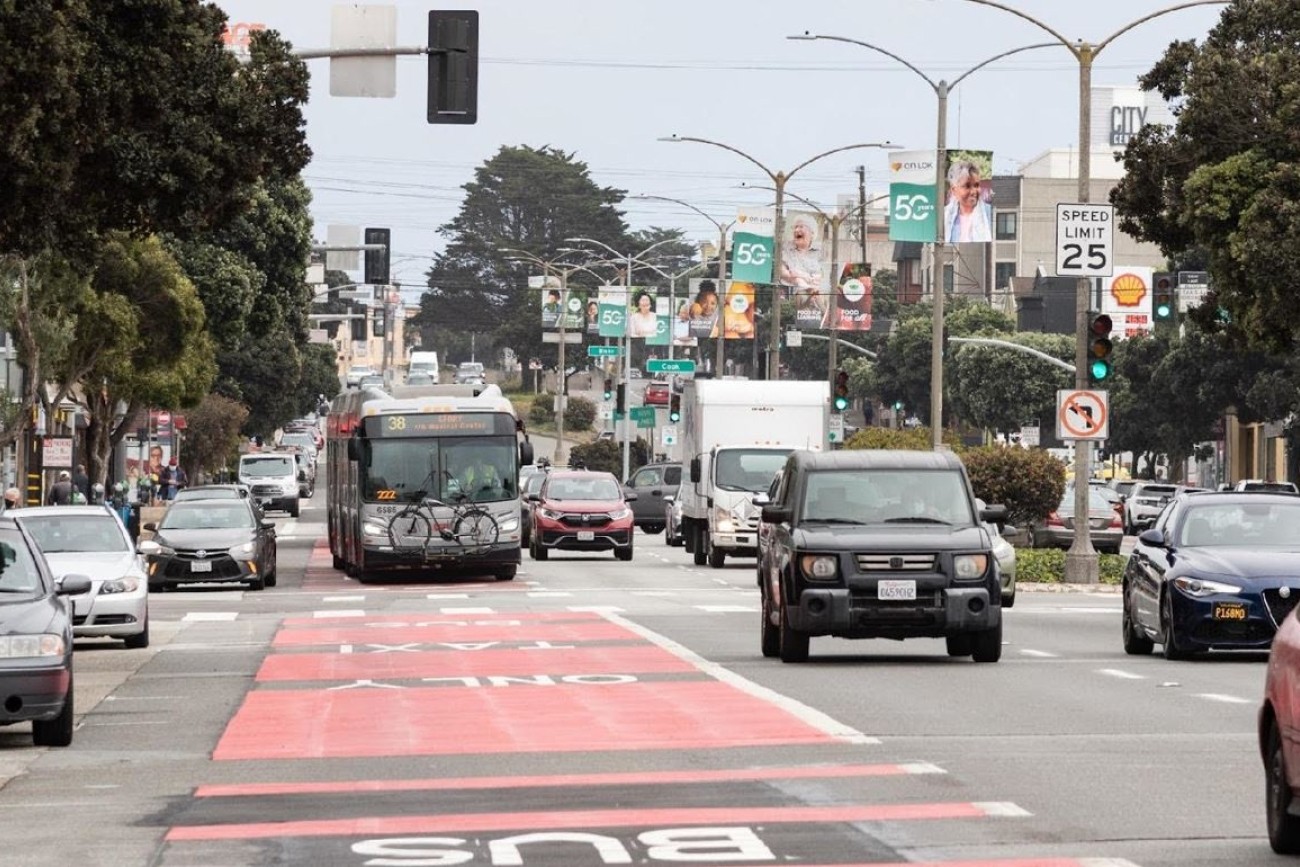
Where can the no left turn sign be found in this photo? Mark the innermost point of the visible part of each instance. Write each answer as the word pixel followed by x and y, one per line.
pixel 1082 415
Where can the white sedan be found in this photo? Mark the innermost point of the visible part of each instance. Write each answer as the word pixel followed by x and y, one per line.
pixel 90 540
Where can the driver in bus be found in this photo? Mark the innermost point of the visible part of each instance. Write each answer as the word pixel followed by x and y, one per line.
pixel 477 477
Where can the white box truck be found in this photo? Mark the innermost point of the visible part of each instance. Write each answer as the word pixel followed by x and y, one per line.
pixel 423 362
pixel 735 435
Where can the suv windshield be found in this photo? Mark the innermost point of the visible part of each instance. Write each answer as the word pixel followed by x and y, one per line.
pixel 748 469
pixel 602 488
pixel 887 497
pixel 268 466
pixel 61 534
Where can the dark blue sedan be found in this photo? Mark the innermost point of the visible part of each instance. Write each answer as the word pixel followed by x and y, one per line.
pixel 1217 571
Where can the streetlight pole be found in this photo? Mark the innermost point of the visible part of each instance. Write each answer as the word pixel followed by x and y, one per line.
pixel 779 179
pixel 941 90
pixel 632 259
pixel 722 269
pixel 1081 560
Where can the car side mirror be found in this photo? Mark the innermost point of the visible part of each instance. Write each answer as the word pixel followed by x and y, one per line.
pixel 268 525
pixel 147 547
pixel 762 499
pixel 302 475
pixel 72 585
pixel 776 514
pixel 151 527
pixel 695 470
pixel 1153 537
pixel 534 498
pixel 525 453
pixel 629 496
pixel 995 514
pixel 1008 531
pixel 354 450
pixel 669 498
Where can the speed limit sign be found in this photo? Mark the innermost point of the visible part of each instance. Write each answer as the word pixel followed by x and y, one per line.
pixel 1084 240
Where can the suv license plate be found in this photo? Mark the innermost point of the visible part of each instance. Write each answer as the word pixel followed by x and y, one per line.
pixel 201 566
pixel 586 535
pixel 1229 611
pixel 896 590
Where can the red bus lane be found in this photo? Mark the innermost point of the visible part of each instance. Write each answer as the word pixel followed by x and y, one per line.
pixel 601 742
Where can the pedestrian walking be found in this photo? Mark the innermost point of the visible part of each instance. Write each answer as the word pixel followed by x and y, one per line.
pixel 81 481
pixel 61 491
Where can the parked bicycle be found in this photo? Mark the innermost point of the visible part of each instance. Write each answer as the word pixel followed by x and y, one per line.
pixel 470 526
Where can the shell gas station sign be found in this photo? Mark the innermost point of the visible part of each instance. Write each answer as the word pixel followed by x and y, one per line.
pixel 1126 298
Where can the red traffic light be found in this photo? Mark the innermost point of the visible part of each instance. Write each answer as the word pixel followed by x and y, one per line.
pixel 1101 326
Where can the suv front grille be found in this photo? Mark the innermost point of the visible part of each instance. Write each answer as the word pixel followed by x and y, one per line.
pixel 266 490
pixel 1278 607
pixel 894 563
pixel 585 519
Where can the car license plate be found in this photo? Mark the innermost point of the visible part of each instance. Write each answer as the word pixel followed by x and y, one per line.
pixel 586 535
pixel 201 566
pixel 1229 611
pixel 896 590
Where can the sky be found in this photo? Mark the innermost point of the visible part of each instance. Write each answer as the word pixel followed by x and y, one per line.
pixel 606 79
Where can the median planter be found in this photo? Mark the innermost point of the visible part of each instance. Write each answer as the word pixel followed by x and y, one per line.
pixel 1047 566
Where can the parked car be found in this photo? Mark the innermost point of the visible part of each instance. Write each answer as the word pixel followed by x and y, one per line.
pixel 1110 495
pixel 878 544
pixel 303 438
pixel 1218 571
pixel 530 483
pixel 650 484
pixel 210 541
pixel 1144 504
pixel 35 639
pixel 1279 738
pixel 1105 526
pixel 1123 487
pixel 581 510
pixel 673 519
pixel 356 373
pixel 1005 553
pixel 91 541
pixel 1256 485
pixel 656 394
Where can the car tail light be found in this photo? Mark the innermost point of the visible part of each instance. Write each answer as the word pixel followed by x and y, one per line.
pixel 1054 520
pixel 1116 522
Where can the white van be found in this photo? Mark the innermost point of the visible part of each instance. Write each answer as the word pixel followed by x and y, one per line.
pixel 423 362
pixel 272 477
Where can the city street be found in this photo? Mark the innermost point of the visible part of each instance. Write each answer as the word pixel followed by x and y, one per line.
pixel 594 712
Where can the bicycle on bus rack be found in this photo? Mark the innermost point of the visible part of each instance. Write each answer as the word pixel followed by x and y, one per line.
pixel 471 526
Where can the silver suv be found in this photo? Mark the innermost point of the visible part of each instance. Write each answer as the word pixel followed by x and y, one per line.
pixel 1145 503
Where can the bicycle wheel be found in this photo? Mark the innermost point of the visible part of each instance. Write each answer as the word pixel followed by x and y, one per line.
pixel 409 529
pixel 475 528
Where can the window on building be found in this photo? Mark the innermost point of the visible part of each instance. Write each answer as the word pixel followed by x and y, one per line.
pixel 1002 274
pixel 1005 225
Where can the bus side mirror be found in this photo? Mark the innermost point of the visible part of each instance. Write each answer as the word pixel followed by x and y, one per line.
pixel 695 470
pixel 525 453
pixel 354 450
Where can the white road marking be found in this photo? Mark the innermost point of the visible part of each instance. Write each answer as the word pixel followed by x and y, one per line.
pixel 1226 699
pixel 547 594
pixel 447 596
pixel 343 599
pixel 1001 808
pixel 1043 654
pixel 921 768
pixel 1122 675
pixel 811 716
pixel 466 611
pixel 339 612
pixel 596 609
pixel 201 616
pixel 654 592
pixel 728 609
pixel 1106 862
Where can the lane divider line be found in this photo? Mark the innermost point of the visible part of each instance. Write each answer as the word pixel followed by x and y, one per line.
pixel 1122 675
pixel 210 616
pixel 1226 699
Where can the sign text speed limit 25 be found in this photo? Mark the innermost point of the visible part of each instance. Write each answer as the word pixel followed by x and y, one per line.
pixel 1084 240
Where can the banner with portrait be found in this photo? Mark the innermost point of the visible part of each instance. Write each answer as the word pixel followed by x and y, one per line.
pixel 968 199
pixel 700 310
pixel 850 309
pixel 551 303
pixel 805 259
pixel 611 305
pixel 738 311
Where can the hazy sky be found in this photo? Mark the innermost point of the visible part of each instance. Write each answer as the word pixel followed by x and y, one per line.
pixel 605 79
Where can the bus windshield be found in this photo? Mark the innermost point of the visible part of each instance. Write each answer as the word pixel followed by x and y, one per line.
pixel 452 469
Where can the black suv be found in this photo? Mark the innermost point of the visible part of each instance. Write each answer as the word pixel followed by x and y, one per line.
pixel 651 484
pixel 879 544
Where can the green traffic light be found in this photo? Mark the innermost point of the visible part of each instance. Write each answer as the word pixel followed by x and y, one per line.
pixel 674 416
pixel 1100 369
pixel 1163 311
pixel 841 403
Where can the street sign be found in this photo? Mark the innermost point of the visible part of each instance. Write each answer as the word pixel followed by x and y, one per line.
pixel 569 337
pixel 1029 435
pixel 602 351
pixel 670 365
pixel 642 414
pixel 1084 240
pixel 605 412
pixel 1193 278
pixel 794 338
pixel 534 364
pixel 668 436
pixel 1082 415
pixel 836 434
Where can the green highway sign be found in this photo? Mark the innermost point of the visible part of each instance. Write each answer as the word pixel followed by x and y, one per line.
pixel 674 365
pixel 642 414
pixel 602 351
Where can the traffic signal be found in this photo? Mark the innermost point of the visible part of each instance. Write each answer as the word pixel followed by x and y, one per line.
pixel 1099 348
pixel 1162 300
pixel 453 66
pixel 841 390
pixel 898 406
pixel 376 261
pixel 609 387
pixel 675 408
pixel 620 405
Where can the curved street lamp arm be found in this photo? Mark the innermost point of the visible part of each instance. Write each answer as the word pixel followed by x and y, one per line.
pixel 725 147
pixel 1145 18
pixel 654 246
pixel 933 84
pixel 851 147
pixel 719 226
pixel 958 79
pixel 789 195
pixel 1074 49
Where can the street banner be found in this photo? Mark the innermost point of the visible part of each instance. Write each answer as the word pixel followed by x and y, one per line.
pixel 612 310
pixel 663 323
pixel 805 266
pixel 738 311
pixel 752 245
pixel 701 309
pixel 642 317
pixel 550 288
pixel 911 196
pixel 852 306
pixel 968 202
pixel 1126 298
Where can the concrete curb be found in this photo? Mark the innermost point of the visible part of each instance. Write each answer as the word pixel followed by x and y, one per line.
pixel 1045 587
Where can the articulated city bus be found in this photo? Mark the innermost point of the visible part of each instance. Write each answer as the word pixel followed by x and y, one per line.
pixel 388 455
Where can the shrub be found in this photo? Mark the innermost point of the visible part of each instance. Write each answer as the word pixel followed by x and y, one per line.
pixel 1047 566
pixel 542 411
pixel 1029 482
pixel 914 438
pixel 607 456
pixel 579 414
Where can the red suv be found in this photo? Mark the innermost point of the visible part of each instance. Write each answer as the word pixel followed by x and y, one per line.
pixel 656 394
pixel 580 510
pixel 1278 737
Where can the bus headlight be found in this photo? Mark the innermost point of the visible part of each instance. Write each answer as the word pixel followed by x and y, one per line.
pixel 507 523
pixel 370 528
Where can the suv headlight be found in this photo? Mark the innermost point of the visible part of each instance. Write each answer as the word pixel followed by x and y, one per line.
pixel 620 514
pixel 1200 587
pixel 126 584
pixel 31 646
pixel 970 566
pixel 819 567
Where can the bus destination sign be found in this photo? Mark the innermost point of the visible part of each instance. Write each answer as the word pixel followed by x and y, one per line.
pixel 440 424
